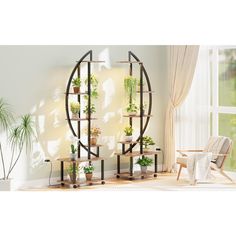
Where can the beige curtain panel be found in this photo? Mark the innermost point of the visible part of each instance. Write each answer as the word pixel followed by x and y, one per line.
pixel 181 66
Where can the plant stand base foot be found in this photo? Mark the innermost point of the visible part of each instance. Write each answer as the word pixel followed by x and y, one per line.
pixel 155 175
pixel 62 184
pixel 90 183
pixel 75 186
pixel 103 182
pixel 117 176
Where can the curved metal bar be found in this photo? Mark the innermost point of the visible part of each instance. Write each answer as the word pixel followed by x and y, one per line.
pixel 150 101
pixel 67 99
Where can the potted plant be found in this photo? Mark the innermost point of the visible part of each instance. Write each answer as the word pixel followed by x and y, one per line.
pixel 130 85
pixel 88 170
pixel 144 162
pixel 20 137
pixel 132 109
pixel 92 110
pixel 94 133
pixel 70 172
pixel 73 154
pixel 75 108
pixel 76 84
pixel 128 133
pixel 147 141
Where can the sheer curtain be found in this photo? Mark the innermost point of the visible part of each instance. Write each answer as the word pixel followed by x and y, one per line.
pixel 193 116
pixel 182 62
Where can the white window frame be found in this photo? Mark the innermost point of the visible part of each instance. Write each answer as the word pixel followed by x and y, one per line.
pixel 215 108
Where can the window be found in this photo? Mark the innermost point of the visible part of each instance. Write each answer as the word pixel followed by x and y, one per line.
pixel 223 96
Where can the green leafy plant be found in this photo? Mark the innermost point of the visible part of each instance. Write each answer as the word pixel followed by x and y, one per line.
pixel 88 169
pixel 75 107
pixel 92 109
pixel 144 161
pixel 94 131
pixel 76 82
pixel 147 141
pixel 130 85
pixel 70 169
pixel 20 134
pixel 73 149
pixel 94 87
pixel 139 82
pixel 132 108
pixel 128 130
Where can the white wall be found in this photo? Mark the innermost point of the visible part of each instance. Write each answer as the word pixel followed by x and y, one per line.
pixel 33 80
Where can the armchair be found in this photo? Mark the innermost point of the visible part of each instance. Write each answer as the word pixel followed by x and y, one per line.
pixel 220 147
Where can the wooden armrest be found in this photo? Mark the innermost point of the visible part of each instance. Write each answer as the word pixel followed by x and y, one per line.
pixel 189 150
pixel 221 155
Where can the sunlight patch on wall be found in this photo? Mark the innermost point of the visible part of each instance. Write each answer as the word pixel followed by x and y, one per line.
pixel 109 89
pixel 104 56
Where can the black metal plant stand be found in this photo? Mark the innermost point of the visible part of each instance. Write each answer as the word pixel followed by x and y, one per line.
pixel 91 155
pixel 144 120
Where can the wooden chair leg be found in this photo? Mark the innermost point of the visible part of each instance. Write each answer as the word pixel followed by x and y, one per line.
pixel 225 175
pixel 180 168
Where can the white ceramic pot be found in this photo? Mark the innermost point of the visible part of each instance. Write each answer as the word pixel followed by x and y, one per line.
pixel 5 184
pixel 73 156
pixel 128 138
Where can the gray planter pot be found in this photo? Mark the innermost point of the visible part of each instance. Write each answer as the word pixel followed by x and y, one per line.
pixel 144 169
pixel 73 156
pixel 6 185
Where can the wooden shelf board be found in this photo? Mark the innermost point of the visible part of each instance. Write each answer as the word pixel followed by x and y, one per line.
pixel 82 119
pixel 81 159
pixel 136 116
pixel 94 61
pixel 145 91
pixel 81 93
pixel 137 153
pixel 136 174
pixel 124 142
pixel 130 62
pixel 81 182
pixel 97 145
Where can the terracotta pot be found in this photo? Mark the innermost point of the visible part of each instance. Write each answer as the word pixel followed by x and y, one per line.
pixel 144 169
pixel 71 177
pixel 87 116
pixel 76 89
pixel 75 116
pixel 89 176
pixel 132 113
pixel 93 141
pixel 146 149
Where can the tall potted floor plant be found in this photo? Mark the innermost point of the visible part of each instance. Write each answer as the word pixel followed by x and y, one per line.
pixel 20 134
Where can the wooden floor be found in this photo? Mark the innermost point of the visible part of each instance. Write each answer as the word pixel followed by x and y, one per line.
pixel 164 182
